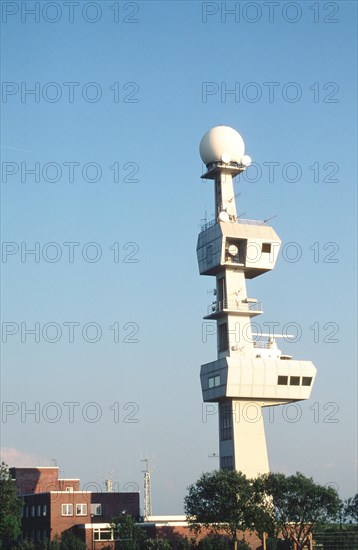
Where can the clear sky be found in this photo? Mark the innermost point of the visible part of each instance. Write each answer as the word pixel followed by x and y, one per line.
pixel 122 93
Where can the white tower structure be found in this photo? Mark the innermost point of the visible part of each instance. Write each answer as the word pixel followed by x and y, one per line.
pixel 147 490
pixel 249 373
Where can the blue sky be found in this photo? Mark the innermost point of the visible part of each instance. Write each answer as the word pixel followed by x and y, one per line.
pixel 123 95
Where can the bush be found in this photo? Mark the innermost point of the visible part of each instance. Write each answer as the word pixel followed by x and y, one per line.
pixel 157 544
pixel 217 542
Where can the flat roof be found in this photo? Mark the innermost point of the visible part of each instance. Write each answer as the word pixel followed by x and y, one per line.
pixel 68 479
pixel 82 492
pixel 34 467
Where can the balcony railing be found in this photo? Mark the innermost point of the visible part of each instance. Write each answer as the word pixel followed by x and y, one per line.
pixel 210 223
pixel 234 305
pixel 263 345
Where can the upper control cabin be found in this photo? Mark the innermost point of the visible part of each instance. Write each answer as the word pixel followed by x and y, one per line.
pixel 251 246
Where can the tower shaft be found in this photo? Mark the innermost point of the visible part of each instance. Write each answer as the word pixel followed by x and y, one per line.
pixel 241 429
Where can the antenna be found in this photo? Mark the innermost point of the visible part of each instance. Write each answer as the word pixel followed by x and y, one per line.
pixel 269 335
pixel 213 455
pixel 108 481
pixel 272 217
pixel 234 197
pixel 147 488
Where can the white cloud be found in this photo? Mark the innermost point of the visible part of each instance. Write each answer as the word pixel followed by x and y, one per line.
pixel 20 459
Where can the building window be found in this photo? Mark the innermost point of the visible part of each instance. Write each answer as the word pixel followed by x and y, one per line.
pixel 44 509
pixel 44 534
pixel 69 489
pixel 26 511
pixel 38 536
pixel 96 509
pixel 81 509
pixel 32 511
pixel 214 381
pixel 306 380
pixel 294 380
pixel 227 462
pixel 38 511
pixel 266 247
pixel 67 509
pixel 103 534
pixel 282 380
pixel 223 337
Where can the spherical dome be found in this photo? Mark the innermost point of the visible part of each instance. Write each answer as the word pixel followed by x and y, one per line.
pixel 222 143
pixel 246 160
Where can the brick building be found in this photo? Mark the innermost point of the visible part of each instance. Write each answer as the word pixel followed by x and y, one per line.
pixel 53 505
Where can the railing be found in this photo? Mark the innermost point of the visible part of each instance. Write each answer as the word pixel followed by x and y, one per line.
pixel 210 223
pixel 234 305
pixel 206 225
pixel 262 345
pixel 251 222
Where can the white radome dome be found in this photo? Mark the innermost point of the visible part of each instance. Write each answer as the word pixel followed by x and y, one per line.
pixel 222 143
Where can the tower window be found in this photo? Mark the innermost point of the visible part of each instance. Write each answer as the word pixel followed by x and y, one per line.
pixel 266 247
pixel 306 380
pixel 294 380
pixel 282 380
pixel 236 250
pixel 227 462
pixel 221 292
pixel 214 381
pixel 225 421
pixel 223 337
pixel 209 254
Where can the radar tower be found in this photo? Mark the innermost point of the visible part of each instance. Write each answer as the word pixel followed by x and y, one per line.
pixel 249 373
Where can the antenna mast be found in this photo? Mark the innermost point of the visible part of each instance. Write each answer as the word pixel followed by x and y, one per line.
pixel 147 489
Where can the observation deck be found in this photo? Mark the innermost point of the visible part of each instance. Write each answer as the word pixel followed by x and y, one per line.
pixel 248 307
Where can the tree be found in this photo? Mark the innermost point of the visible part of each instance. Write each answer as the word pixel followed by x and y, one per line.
pixel 158 544
pixel 67 541
pixel 351 509
pixel 24 545
pixel 10 509
pixel 213 542
pixel 184 543
pixel 127 531
pixel 219 542
pixel 298 504
pixel 225 500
